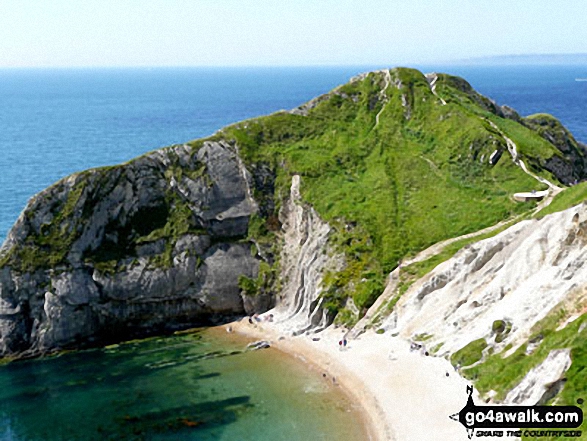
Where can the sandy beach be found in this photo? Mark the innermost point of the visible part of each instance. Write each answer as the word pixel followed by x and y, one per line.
pixel 406 395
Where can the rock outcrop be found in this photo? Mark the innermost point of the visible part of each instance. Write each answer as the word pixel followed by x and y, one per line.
pixel 571 166
pixel 304 258
pixel 159 242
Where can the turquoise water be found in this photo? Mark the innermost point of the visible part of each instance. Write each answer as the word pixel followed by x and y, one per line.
pixel 199 386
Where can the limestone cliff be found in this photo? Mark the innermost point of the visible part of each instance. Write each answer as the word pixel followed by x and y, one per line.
pixel 305 257
pixel 156 243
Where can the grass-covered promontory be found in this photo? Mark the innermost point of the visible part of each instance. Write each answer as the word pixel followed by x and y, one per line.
pixel 394 170
pixel 393 165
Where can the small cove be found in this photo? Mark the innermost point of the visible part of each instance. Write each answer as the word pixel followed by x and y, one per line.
pixel 201 385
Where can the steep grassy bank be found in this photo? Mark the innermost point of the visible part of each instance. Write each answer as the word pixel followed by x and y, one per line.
pixel 390 189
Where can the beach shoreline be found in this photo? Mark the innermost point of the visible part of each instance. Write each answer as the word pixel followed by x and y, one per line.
pixel 300 349
pixel 405 395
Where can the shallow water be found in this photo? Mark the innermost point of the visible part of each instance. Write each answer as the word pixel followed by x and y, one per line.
pixel 198 386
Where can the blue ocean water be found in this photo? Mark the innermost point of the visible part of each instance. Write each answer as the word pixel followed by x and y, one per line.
pixel 54 122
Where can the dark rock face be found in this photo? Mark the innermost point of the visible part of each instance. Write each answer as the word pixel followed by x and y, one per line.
pixel 153 244
pixel 564 171
pixel 510 113
pixel 572 165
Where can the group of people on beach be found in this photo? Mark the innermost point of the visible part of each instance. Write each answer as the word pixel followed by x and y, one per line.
pixel 256 318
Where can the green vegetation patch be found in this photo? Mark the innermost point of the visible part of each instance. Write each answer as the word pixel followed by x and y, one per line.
pixel 566 199
pixel 422 337
pixel 501 329
pixel 503 373
pixel 530 144
pixel 262 284
pixel 469 354
pixel 346 317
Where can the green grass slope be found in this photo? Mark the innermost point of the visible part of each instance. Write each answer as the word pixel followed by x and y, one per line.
pixel 421 175
pixel 569 198
pixel 502 374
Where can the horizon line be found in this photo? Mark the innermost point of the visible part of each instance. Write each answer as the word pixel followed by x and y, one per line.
pixel 524 59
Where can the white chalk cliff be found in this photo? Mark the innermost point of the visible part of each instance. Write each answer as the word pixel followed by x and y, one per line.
pixel 517 278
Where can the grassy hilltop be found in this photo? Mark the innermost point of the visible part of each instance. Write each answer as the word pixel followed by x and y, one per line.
pixel 394 169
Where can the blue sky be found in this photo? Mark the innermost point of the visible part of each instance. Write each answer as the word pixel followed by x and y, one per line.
pixel 272 32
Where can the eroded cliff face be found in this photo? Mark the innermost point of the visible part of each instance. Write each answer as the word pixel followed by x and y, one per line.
pixel 159 242
pixel 304 259
pixel 517 277
pixel 520 294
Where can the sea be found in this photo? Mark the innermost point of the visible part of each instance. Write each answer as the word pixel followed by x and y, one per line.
pixel 201 385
